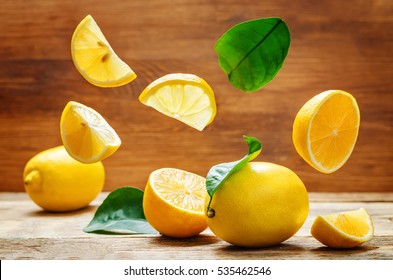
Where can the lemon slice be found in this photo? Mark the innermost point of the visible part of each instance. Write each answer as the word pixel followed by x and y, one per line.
pixel 325 130
pixel 185 97
pixel 343 230
pixel 95 59
pixel 86 135
pixel 173 202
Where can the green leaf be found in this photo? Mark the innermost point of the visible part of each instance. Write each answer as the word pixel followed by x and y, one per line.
pixel 251 53
pixel 218 174
pixel 122 213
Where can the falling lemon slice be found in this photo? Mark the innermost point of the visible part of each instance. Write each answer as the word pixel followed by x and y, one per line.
pixel 95 59
pixel 185 97
pixel 86 135
pixel 343 230
pixel 325 130
pixel 173 202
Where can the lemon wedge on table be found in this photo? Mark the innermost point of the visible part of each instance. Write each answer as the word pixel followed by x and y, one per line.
pixel 343 230
pixel 86 135
pixel 185 97
pixel 94 58
pixel 173 202
pixel 326 128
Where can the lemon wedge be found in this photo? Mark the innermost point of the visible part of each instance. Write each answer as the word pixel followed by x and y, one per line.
pixel 343 230
pixel 325 130
pixel 95 59
pixel 86 135
pixel 185 97
pixel 173 202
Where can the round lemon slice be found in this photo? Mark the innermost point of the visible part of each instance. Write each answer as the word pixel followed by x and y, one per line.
pixel 185 97
pixel 95 59
pixel 173 202
pixel 343 230
pixel 86 135
pixel 326 128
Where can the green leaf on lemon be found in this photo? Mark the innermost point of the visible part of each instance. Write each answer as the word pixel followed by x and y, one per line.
pixel 121 213
pixel 219 173
pixel 251 53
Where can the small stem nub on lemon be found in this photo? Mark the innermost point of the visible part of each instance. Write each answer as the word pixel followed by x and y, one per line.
pixel 33 181
pixel 210 212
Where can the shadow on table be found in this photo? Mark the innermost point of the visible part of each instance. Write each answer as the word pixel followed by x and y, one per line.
pixel 44 213
pixel 200 240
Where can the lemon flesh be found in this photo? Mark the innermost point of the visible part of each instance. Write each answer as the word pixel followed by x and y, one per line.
pixel 95 59
pixel 86 135
pixel 343 230
pixel 184 97
pixel 173 202
pixel 57 182
pixel 325 130
pixel 262 204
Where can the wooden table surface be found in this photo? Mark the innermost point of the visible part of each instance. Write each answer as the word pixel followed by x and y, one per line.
pixel 26 232
pixel 335 45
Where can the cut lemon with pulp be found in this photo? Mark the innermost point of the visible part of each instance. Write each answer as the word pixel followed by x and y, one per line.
pixel 95 59
pixel 325 130
pixel 173 202
pixel 185 97
pixel 343 230
pixel 86 135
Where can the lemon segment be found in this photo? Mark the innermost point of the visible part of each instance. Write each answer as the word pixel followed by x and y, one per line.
pixel 86 135
pixel 343 230
pixel 173 202
pixel 95 59
pixel 184 97
pixel 325 130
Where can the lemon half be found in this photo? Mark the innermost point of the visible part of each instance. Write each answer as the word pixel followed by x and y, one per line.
pixel 326 128
pixel 173 202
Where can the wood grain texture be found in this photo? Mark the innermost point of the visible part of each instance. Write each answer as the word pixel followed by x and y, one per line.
pixel 335 45
pixel 29 233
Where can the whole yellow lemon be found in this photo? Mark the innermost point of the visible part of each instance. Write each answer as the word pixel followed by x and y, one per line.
pixel 260 205
pixel 57 182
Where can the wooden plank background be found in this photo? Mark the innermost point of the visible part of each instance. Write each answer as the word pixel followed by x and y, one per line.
pixel 335 45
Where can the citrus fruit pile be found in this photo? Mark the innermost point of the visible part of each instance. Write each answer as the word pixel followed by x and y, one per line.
pixel 248 204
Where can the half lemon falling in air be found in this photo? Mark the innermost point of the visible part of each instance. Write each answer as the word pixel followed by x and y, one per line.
pixel 185 97
pixel 86 135
pixel 326 128
pixel 94 58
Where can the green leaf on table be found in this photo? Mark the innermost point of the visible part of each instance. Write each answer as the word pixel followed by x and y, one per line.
pixel 251 53
pixel 122 213
pixel 219 173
